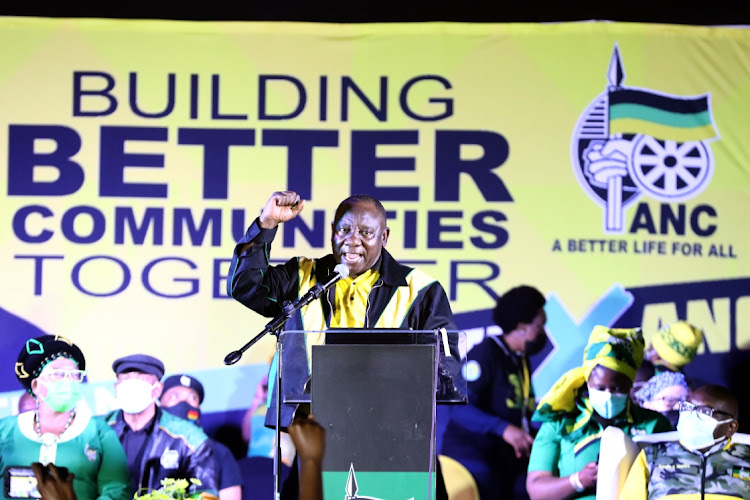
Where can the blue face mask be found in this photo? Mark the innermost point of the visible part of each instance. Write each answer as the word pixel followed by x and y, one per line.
pixel 697 432
pixel 607 404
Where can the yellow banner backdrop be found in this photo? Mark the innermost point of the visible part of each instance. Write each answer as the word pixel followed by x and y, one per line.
pixel 607 164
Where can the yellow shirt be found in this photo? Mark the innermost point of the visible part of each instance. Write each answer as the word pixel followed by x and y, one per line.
pixel 351 298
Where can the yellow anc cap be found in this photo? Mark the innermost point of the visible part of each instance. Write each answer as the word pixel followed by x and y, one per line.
pixel 677 343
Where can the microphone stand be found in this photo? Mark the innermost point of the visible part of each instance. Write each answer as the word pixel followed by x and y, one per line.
pixel 276 327
pixel 277 430
pixel 289 308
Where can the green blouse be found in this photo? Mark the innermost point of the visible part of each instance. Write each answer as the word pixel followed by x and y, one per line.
pixel 89 448
pixel 564 455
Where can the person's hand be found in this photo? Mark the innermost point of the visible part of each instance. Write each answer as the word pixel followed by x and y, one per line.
pixel 282 206
pixel 519 439
pixel 309 438
pixel 54 483
pixel 587 475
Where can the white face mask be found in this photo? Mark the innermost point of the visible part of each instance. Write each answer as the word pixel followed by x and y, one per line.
pixel 134 395
pixel 607 404
pixel 697 433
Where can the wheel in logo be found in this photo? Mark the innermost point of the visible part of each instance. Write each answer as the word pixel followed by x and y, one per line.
pixel 668 170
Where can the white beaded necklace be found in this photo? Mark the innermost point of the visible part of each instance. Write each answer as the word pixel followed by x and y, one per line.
pixel 49 438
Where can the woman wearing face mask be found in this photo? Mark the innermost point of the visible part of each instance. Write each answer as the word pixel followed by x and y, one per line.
pixel 577 409
pixel 59 430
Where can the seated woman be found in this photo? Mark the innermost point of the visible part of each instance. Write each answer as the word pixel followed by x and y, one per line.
pixel 663 393
pixel 58 431
pixel 577 409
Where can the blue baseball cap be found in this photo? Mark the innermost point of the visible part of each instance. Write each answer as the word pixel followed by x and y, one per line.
pixel 184 380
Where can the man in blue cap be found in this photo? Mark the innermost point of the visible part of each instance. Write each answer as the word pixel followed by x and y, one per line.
pixel 158 444
pixel 182 396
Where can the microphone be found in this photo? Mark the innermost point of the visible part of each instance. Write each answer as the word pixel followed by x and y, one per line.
pixel 341 271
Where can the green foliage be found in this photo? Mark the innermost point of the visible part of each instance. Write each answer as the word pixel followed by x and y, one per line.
pixel 172 489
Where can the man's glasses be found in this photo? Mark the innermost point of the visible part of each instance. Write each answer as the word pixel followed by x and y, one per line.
pixel 59 374
pixel 703 412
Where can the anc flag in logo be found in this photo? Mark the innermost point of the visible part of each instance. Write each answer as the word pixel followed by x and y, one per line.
pixel 665 117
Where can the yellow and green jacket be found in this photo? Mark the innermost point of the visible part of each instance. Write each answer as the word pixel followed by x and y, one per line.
pixel 402 297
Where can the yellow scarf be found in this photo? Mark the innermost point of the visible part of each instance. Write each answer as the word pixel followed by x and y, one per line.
pixel 620 349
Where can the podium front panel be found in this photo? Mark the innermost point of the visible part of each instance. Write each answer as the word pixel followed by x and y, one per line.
pixel 376 403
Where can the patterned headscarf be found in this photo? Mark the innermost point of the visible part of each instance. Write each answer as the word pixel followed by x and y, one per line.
pixel 658 383
pixel 620 349
pixel 39 351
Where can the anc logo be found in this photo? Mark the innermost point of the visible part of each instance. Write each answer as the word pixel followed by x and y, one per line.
pixel 631 142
